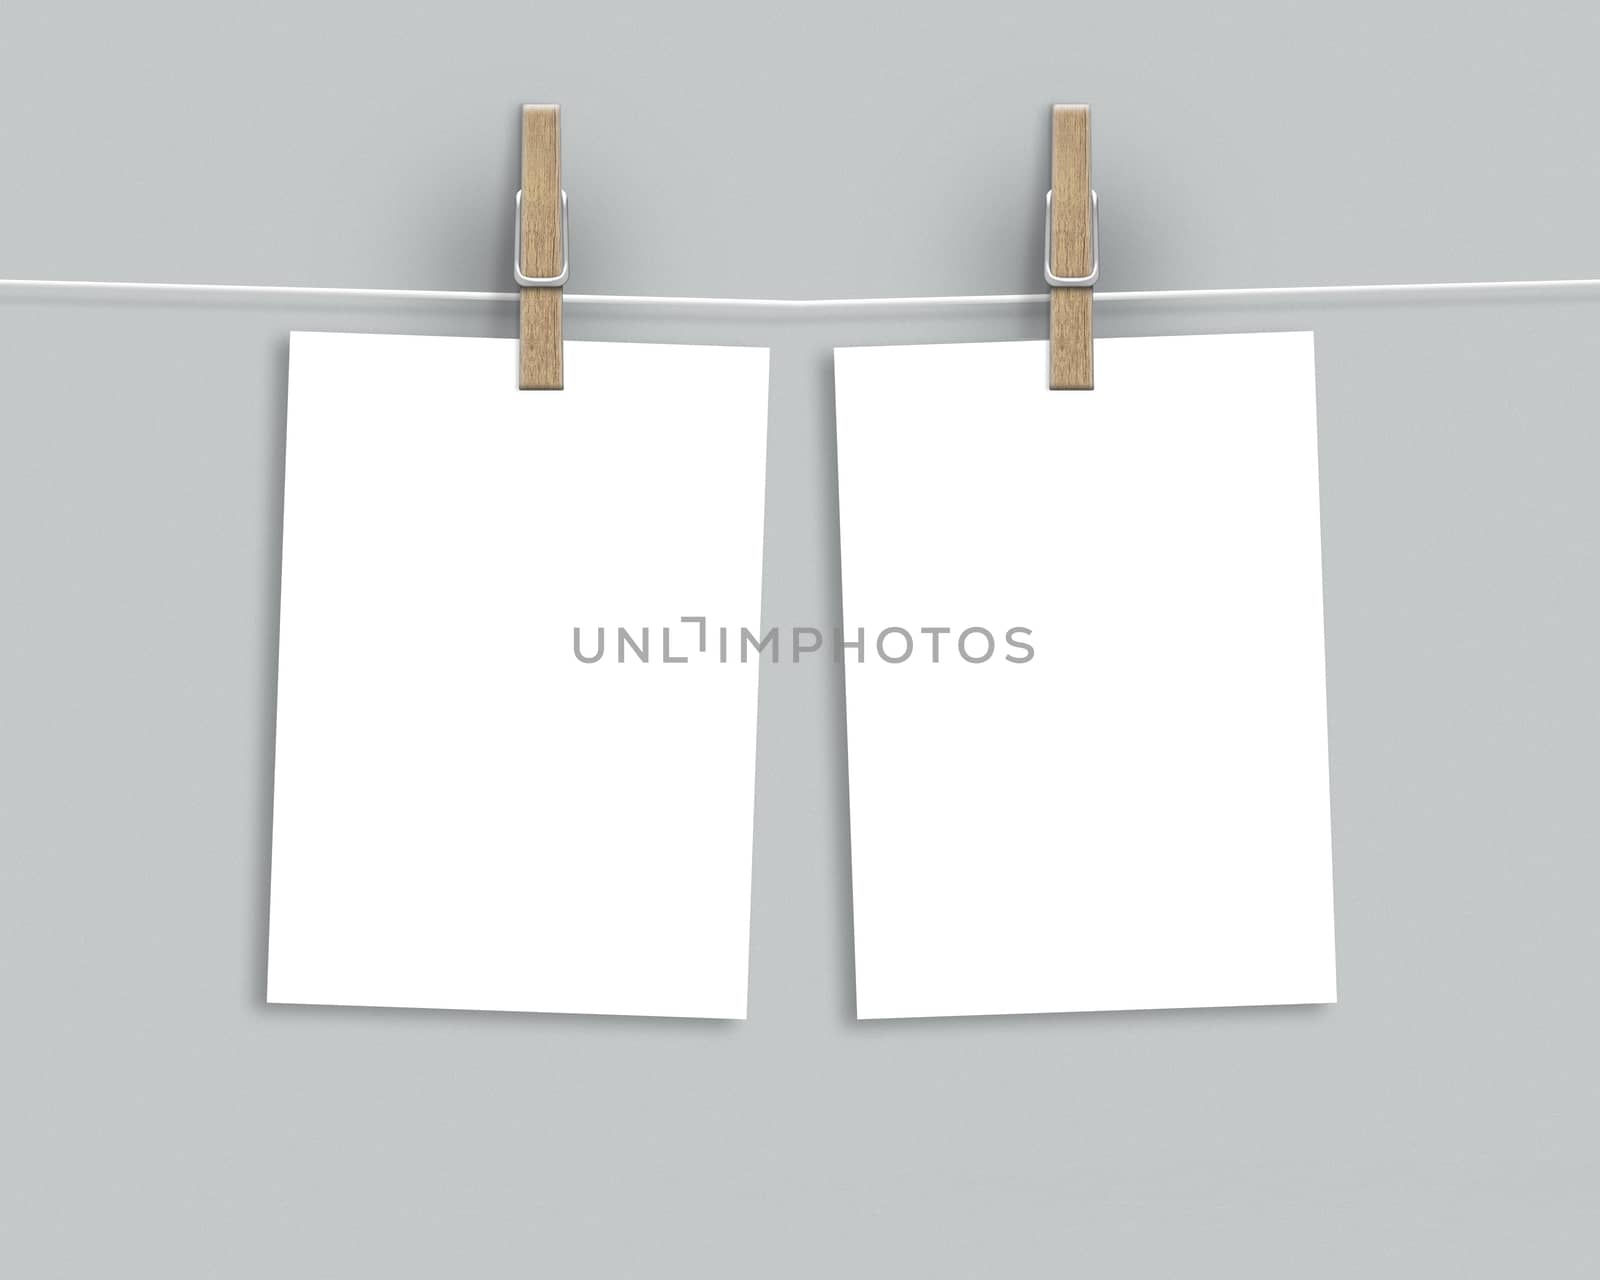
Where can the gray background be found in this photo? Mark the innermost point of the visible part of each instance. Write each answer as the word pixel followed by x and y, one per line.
pixel 158 1119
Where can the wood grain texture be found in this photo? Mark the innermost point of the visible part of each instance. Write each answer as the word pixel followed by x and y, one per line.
pixel 539 343
pixel 1071 310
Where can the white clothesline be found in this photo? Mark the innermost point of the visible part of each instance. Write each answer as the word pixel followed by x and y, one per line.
pixel 821 304
pixel 1000 301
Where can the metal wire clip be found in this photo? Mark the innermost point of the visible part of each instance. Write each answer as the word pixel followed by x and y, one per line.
pixel 1072 282
pixel 539 282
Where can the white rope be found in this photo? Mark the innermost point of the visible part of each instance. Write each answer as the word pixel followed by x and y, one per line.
pixel 1484 288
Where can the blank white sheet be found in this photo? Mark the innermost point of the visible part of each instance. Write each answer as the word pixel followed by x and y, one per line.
pixel 1137 816
pixel 465 815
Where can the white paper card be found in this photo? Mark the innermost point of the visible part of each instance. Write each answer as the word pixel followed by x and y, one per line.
pixel 1136 816
pixel 466 816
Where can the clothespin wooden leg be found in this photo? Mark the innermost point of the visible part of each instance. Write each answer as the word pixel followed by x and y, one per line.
pixel 1071 310
pixel 539 346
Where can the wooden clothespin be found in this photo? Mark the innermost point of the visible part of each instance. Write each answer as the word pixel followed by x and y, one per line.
pixel 542 250
pixel 1072 252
